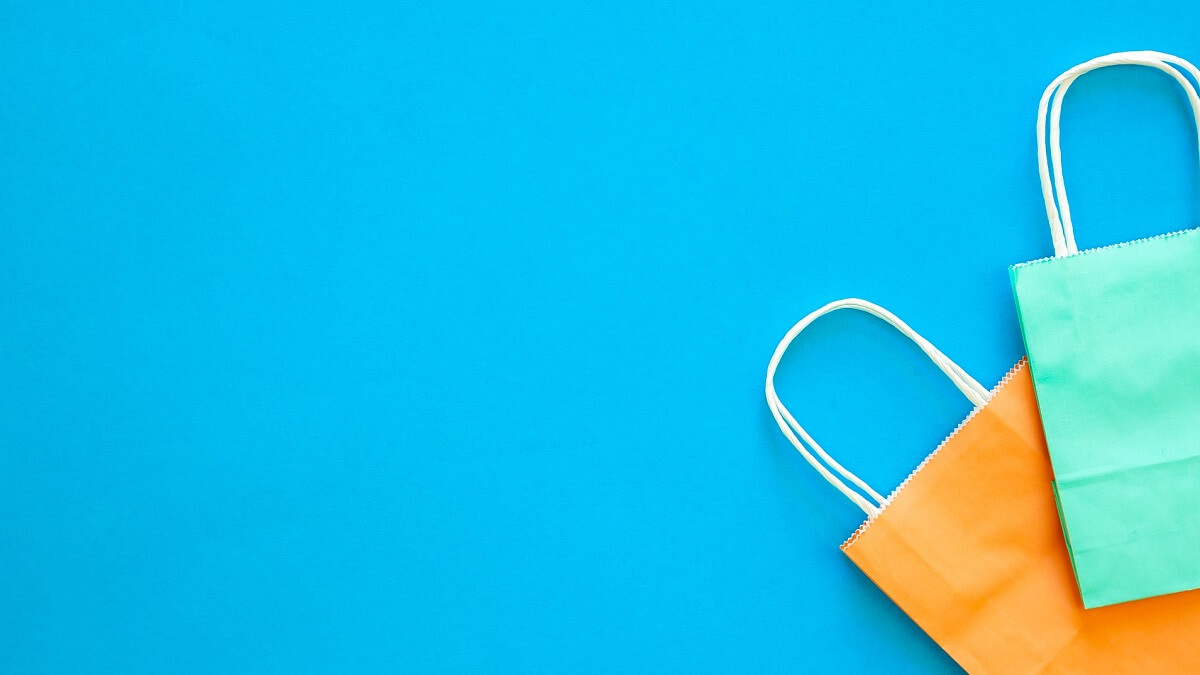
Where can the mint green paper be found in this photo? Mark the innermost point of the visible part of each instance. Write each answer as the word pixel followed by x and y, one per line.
pixel 1113 337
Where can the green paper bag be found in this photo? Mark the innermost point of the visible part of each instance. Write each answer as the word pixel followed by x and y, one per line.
pixel 1113 337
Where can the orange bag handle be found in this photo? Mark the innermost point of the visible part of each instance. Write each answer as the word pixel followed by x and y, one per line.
pixel 791 428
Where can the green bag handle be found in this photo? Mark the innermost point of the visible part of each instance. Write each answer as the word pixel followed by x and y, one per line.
pixel 794 432
pixel 1061 230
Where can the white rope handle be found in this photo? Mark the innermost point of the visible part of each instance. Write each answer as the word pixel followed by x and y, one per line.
pixel 791 428
pixel 1059 214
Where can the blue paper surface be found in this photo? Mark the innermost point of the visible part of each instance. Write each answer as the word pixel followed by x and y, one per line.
pixel 365 337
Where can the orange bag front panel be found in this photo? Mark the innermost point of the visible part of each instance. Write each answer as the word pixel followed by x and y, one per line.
pixel 970 547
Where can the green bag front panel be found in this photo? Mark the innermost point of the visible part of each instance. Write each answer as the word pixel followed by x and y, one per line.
pixel 1113 337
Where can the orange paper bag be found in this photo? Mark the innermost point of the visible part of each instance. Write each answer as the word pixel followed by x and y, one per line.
pixel 970 547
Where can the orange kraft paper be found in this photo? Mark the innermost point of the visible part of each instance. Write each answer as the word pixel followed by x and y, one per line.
pixel 971 548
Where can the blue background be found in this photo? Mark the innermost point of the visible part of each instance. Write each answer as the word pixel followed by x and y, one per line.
pixel 367 337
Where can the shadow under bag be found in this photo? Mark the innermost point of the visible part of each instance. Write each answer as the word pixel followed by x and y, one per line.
pixel 1113 337
pixel 969 545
